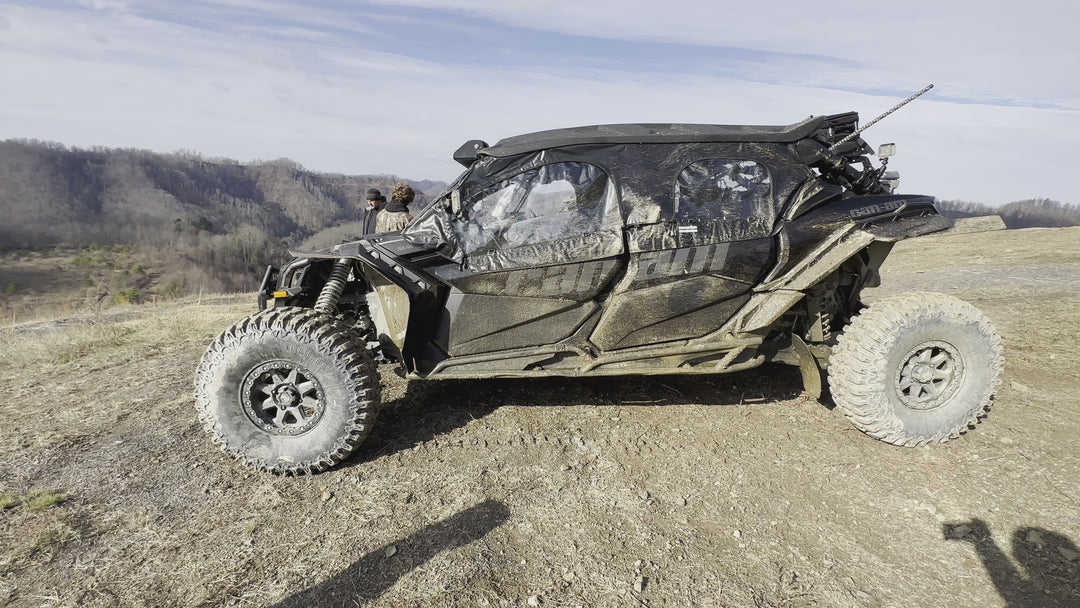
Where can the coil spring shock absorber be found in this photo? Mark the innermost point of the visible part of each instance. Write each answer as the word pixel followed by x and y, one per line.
pixel 328 297
pixel 820 304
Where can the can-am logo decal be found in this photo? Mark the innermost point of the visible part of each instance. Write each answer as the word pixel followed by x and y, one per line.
pixel 554 281
pixel 686 260
pixel 876 209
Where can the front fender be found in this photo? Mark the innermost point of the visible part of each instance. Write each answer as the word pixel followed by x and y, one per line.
pixel 389 305
pixel 385 286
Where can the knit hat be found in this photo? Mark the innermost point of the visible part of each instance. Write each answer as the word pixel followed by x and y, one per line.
pixel 373 194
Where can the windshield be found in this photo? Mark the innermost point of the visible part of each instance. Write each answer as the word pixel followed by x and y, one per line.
pixel 552 202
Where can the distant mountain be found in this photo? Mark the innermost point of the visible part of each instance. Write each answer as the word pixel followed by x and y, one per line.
pixel 205 224
pixel 50 194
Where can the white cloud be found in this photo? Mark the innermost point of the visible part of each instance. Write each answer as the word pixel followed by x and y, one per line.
pixel 285 85
pixel 1022 52
pixel 103 5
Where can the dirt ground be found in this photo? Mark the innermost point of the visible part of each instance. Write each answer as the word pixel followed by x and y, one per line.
pixel 728 490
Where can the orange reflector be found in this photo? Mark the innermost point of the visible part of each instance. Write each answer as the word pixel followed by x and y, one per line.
pixel 281 294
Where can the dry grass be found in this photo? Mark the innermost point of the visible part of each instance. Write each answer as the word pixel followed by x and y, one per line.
pixel 58 341
pixel 33 527
pixel 43 499
pixel 9 500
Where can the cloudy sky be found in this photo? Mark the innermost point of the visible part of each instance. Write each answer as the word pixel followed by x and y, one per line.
pixel 396 86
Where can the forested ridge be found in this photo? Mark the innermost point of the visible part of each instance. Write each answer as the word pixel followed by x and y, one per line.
pixel 1029 213
pixel 209 224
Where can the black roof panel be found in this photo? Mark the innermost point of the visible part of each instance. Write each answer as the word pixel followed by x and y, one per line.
pixel 642 133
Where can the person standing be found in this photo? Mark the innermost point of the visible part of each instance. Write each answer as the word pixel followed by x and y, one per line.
pixel 395 214
pixel 373 203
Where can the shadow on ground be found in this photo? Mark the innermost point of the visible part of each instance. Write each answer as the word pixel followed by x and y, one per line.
pixel 431 408
pixel 371 575
pixel 1049 573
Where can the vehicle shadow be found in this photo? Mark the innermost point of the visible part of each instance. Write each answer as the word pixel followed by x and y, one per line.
pixel 430 408
pixel 371 575
pixel 1049 576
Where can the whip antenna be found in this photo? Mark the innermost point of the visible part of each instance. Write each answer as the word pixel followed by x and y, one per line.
pixel 872 122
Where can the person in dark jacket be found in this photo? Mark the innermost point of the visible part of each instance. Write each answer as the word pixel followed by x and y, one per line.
pixel 374 200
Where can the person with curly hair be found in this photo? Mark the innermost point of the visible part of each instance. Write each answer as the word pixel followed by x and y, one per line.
pixel 395 214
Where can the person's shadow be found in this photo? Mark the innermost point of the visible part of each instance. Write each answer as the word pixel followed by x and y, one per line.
pixel 371 575
pixel 1050 571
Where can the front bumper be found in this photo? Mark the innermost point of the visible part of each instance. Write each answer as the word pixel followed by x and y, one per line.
pixel 268 285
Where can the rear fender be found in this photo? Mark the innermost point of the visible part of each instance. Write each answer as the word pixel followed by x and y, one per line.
pixel 887 217
pixel 858 231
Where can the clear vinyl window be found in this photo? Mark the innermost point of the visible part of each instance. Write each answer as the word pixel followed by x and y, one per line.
pixel 734 195
pixel 550 203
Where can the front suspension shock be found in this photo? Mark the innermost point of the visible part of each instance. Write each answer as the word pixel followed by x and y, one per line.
pixel 328 297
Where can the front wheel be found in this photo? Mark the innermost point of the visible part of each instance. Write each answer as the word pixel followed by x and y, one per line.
pixel 916 369
pixel 288 391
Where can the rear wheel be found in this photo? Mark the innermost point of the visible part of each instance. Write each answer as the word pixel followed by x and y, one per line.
pixel 288 391
pixel 916 369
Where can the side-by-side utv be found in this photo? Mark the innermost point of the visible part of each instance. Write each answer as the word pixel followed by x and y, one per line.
pixel 611 250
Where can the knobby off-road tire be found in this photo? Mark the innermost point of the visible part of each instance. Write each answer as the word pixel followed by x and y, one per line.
pixel 289 390
pixel 916 369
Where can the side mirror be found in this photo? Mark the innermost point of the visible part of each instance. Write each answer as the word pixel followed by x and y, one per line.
pixel 886 150
pixel 891 181
pixel 469 151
